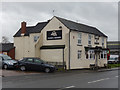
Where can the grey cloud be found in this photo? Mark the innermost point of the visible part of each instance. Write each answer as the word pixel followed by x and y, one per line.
pixel 102 15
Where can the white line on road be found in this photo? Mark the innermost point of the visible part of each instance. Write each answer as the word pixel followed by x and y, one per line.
pixel 66 87
pixel 70 87
pixel 116 76
pixel 99 80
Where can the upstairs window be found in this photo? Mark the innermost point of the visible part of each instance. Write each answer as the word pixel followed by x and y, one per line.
pixel 96 39
pixel 79 38
pixel 102 42
pixel 36 38
pixel 89 39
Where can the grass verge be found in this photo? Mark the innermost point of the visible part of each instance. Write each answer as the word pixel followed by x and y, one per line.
pixel 113 65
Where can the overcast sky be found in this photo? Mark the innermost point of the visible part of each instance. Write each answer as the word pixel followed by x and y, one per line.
pixel 103 15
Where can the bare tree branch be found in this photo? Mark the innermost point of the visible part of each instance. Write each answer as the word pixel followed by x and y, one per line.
pixel 5 39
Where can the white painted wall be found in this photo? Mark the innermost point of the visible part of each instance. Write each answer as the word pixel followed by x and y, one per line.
pixel 83 62
pixel 25 46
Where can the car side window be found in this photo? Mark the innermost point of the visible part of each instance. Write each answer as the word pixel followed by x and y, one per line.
pixel 29 60
pixel 37 61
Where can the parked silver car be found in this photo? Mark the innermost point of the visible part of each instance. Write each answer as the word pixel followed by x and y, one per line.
pixel 7 62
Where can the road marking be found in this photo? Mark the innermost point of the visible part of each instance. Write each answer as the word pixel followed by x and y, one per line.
pixel 66 87
pixel 116 76
pixel 70 87
pixel 99 80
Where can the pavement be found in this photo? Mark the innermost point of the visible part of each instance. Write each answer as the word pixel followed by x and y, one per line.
pixel 109 69
pixel 64 80
pixel 5 73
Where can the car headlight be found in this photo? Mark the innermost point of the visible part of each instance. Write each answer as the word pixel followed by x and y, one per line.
pixel 10 63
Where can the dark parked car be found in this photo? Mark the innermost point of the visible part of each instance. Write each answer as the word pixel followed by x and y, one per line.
pixel 6 62
pixel 35 64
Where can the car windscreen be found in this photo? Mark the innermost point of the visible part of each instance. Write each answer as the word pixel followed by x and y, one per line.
pixel 113 58
pixel 5 57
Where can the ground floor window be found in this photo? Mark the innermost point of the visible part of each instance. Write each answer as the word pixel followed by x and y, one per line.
pixel 103 54
pixel 90 54
pixel 79 54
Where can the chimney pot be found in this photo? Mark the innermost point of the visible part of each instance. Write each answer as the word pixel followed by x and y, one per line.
pixel 23 28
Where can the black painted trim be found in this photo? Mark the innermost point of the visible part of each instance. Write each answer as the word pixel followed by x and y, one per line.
pixel 53 47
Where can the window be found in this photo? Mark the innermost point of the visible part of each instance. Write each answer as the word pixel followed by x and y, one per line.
pixel 89 39
pixel 103 54
pixel 90 54
pixel 36 38
pixel 79 38
pixel 79 54
pixel 5 57
pixel 102 42
pixel 38 60
pixel 29 60
pixel 87 55
pixel 96 39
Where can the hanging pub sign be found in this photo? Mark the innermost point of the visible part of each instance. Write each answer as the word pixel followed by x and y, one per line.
pixel 54 35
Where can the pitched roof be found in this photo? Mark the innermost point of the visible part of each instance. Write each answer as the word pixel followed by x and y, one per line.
pixel 32 29
pixel 80 27
pixel 6 46
pixel 69 24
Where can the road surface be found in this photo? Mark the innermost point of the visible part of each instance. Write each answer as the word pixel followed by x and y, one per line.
pixel 73 79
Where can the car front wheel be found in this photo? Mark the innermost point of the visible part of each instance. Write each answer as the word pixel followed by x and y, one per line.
pixel 5 66
pixel 47 70
pixel 22 68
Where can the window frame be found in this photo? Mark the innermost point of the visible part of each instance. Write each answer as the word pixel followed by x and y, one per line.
pixel 90 55
pixel 104 54
pixel 103 42
pixel 36 38
pixel 89 39
pixel 29 61
pixel 41 61
pixel 79 38
pixel 79 54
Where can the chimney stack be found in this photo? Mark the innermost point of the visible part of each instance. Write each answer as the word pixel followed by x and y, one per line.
pixel 23 28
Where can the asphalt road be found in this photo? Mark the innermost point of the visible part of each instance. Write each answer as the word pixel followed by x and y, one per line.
pixel 73 79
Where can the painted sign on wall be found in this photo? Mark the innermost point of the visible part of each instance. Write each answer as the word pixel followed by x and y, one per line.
pixel 54 35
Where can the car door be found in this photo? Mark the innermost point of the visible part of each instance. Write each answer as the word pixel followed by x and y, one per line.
pixel 38 64
pixel 29 63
